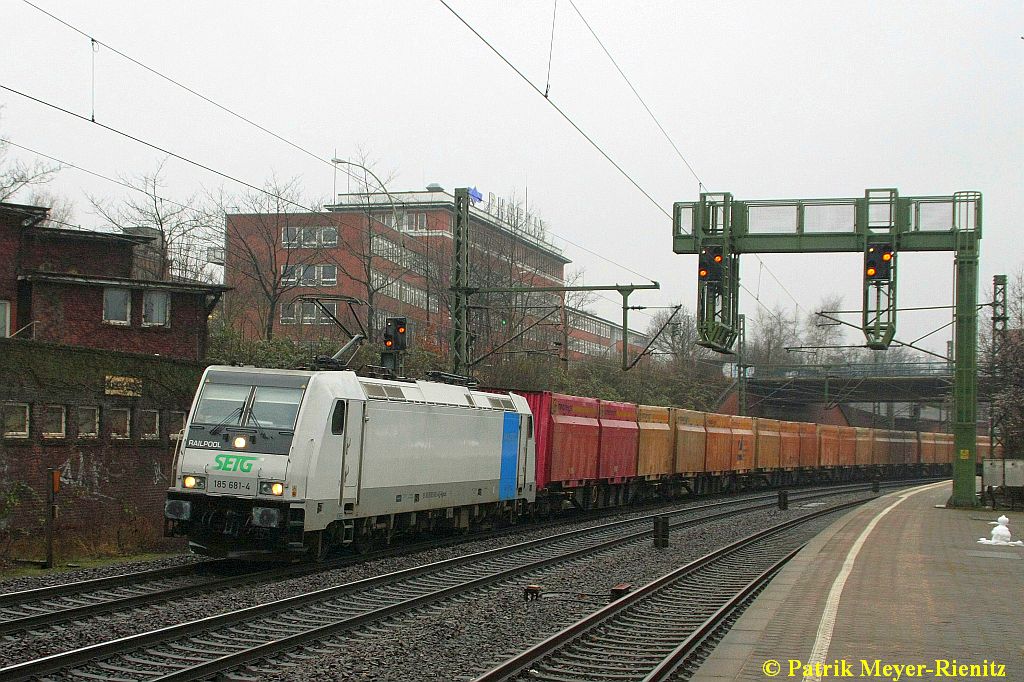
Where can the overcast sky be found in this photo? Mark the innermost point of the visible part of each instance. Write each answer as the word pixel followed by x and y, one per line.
pixel 764 99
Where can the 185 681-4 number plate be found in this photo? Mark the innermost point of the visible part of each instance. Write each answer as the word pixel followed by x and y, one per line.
pixel 233 486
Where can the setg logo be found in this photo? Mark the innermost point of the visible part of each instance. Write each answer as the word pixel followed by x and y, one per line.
pixel 241 463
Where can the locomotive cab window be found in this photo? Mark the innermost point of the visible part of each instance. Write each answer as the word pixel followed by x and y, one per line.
pixel 222 403
pixel 276 408
pixel 338 418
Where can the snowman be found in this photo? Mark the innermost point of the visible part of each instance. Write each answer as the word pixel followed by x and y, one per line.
pixel 1000 534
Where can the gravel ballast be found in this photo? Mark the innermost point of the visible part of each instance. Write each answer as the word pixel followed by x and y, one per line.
pixel 448 640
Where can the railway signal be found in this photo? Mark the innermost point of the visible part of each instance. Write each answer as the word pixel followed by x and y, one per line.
pixel 709 266
pixel 878 261
pixel 395 333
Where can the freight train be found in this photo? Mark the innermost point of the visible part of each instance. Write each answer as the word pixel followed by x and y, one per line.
pixel 280 462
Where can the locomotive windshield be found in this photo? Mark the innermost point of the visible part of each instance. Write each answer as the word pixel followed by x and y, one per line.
pixel 265 407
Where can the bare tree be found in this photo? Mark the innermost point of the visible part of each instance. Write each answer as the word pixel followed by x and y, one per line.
pixel 16 176
pixel 264 261
pixel 181 229
pixel 773 331
pixel 823 335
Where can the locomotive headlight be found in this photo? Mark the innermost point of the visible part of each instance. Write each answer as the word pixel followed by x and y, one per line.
pixel 240 442
pixel 194 482
pixel 271 488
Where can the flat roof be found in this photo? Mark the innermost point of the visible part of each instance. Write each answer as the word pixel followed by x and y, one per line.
pixel 173 285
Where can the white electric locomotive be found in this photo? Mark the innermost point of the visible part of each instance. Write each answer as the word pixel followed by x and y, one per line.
pixel 278 461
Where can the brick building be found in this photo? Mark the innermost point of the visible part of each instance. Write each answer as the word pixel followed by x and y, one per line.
pixel 393 252
pixel 76 287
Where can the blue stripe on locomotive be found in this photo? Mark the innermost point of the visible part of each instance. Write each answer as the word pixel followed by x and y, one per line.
pixel 509 457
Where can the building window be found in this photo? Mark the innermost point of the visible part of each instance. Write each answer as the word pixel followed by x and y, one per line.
pixel 120 422
pixel 15 420
pixel 308 312
pixel 287 313
pixel 289 274
pixel 328 275
pixel 156 309
pixel 290 237
pixel 308 275
pixel 5 319
pixel 149 424
pixel 332 307
pixel 329 236
pixel 88 422
pixel 176 425
pixel 117 305
pixel 53 421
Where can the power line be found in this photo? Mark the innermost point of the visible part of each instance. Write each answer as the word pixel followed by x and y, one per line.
pixel 558 109
pixel 668 137
pixel 700 183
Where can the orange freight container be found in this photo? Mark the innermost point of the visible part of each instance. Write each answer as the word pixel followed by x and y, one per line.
pixel 944 448
pixel 882 449
pixel 847 446
pixel 984 448
pixel 927 440
pixel 656 456
pixel 719 442
pixel 743 443
pixel 828 444
pixel 789 447
pixel 865 439
pixel 769 443
pixel 808 444
pixel 691 441
pixel 904 447
pixel 619 441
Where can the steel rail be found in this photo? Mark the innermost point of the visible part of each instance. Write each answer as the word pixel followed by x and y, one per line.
pixel 360 601
pixel 42 607
pixel 556 644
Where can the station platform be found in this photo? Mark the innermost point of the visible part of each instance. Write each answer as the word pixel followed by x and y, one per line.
pixel 897 581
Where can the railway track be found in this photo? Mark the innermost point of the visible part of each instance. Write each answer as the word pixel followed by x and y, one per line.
pixel 240 639
pixel 44 607
pixel 652 634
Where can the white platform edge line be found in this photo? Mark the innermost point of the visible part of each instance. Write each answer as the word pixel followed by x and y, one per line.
pixel 828 617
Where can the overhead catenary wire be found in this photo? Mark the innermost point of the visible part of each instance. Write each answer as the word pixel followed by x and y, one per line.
pixel 675 147
pixel 560 111
pixel 95 41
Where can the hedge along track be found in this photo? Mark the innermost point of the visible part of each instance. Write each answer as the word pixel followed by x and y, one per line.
pixel 649 634
pixel 43 607
pixel 202 648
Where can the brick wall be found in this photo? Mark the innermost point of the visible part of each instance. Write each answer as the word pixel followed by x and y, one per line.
pixel 112 488
pixel 73 314
pixel 83 256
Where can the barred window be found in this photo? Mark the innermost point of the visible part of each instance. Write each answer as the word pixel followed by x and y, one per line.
pixel 120 419
pixel 54 423
pixel 88 422
pixel 15 420
pixel 149 424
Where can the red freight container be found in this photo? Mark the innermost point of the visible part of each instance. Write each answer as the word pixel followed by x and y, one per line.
pixel 743 444
pixel 620 437
pixel 847 446
pixel 828 444
pixel 719 443
pixel 657 456
pixel 789 452
pixel 691 442
pixel 566 434
pixel 769 443
pixel 808 444
pixel 865 441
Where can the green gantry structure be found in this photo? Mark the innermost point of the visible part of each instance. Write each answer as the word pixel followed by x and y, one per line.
pixel 881 222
